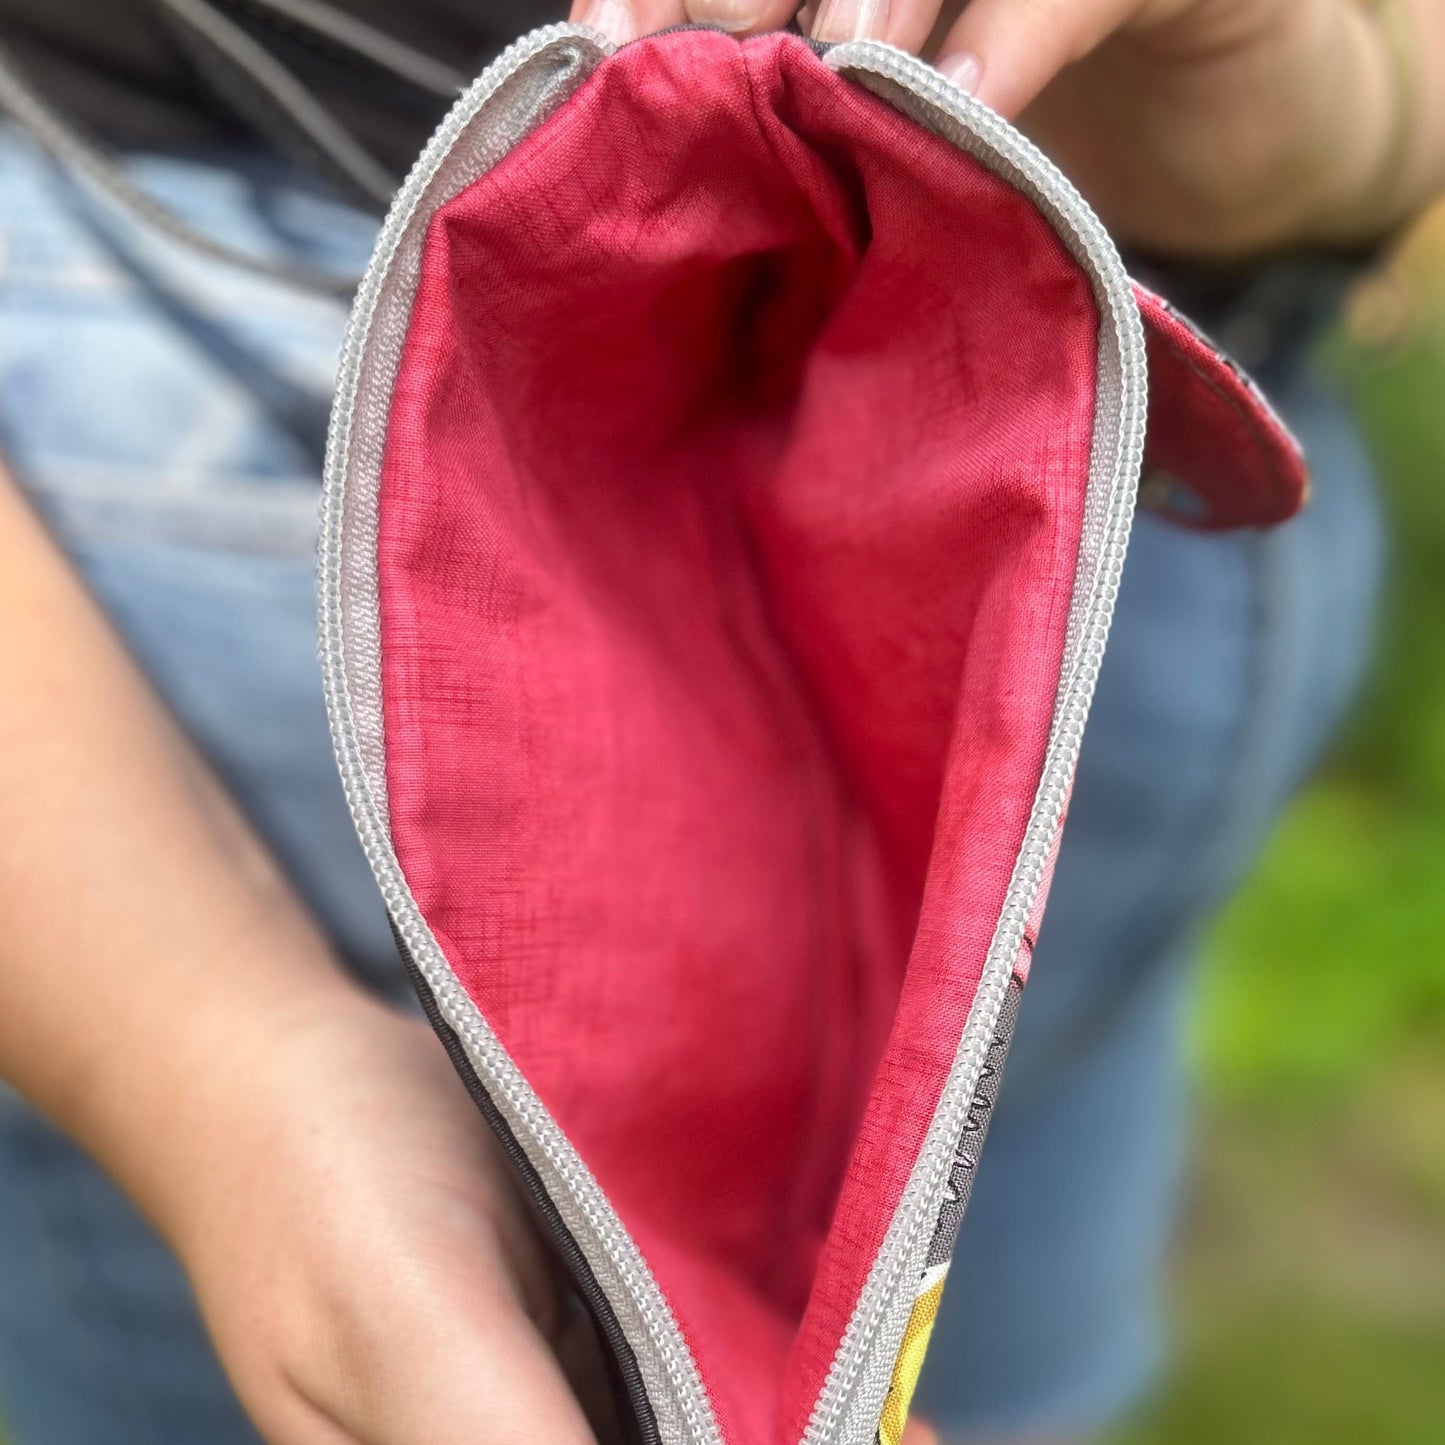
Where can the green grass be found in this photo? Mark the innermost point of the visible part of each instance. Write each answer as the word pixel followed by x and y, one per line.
pixel 1325 966
pixel 1304 1376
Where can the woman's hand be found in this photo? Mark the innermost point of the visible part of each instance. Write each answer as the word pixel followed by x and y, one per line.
pixel 363 1262
pixel 360 1255
pixel 1200 127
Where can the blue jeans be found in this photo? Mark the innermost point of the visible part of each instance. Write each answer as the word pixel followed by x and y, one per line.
pixel 167 415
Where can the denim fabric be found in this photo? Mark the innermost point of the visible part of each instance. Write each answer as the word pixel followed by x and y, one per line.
pixel 168 416
pixel 1230 662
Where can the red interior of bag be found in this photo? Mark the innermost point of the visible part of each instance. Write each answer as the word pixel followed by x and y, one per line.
pixel 1217 456
pixel 731 500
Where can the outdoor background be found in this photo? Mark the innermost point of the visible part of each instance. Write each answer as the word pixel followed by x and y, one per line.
pixel 1311 1284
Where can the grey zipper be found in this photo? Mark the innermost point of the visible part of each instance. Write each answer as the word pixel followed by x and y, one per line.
pixel 527 80
pixel 848 1407
pixel 543 69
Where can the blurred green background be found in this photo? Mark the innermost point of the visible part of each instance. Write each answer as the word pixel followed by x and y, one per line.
pixel 1311 1284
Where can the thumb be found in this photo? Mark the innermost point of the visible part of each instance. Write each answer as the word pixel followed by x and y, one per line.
pixel 484 1375
pixel 1007 51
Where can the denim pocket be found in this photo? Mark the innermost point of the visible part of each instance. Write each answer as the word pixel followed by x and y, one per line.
pixel 168 415
pixel 149 391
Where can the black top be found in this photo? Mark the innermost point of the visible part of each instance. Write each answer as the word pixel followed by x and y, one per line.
pixel 129 74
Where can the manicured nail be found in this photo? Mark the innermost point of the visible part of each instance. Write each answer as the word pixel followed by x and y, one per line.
pixel 611 19
pixel 851 20
pixel 962 69
pixel 733 15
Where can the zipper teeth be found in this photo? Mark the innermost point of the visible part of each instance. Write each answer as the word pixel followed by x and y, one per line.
pixel 410 194
pixel 1080 675
pixel 483 1049
pixel 584 1278
pixel 460 1014
pixel 642 1289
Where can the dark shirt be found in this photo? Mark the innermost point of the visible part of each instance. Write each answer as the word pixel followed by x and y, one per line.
pixel 122 69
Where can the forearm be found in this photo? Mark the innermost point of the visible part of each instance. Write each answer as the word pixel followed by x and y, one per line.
pixel 1365 83
pixel 1226 129
pixel 149 940
pixel 1422 59
pixel 1394 132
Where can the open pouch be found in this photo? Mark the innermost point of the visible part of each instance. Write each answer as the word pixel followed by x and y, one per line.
pixel 731 470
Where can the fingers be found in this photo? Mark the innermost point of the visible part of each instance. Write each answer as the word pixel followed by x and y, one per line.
pixel 742 17
pixel 583 1359
pixel 904 23
pixel 624 20
pixel 509 1390
pixel 1003 51
pixel 485 1379
pixel 1006 51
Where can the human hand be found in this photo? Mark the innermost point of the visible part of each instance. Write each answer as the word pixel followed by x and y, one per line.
pixel 1200 127
pixel 366 1270
pixel 364 1265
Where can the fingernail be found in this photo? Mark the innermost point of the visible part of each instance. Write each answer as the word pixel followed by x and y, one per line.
pixel 733 15
pixel 851 20
pixel 963 70
pixel 611 19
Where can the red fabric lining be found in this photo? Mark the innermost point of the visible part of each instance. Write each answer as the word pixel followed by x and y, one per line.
pixel 1211 431
pixel 730 506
